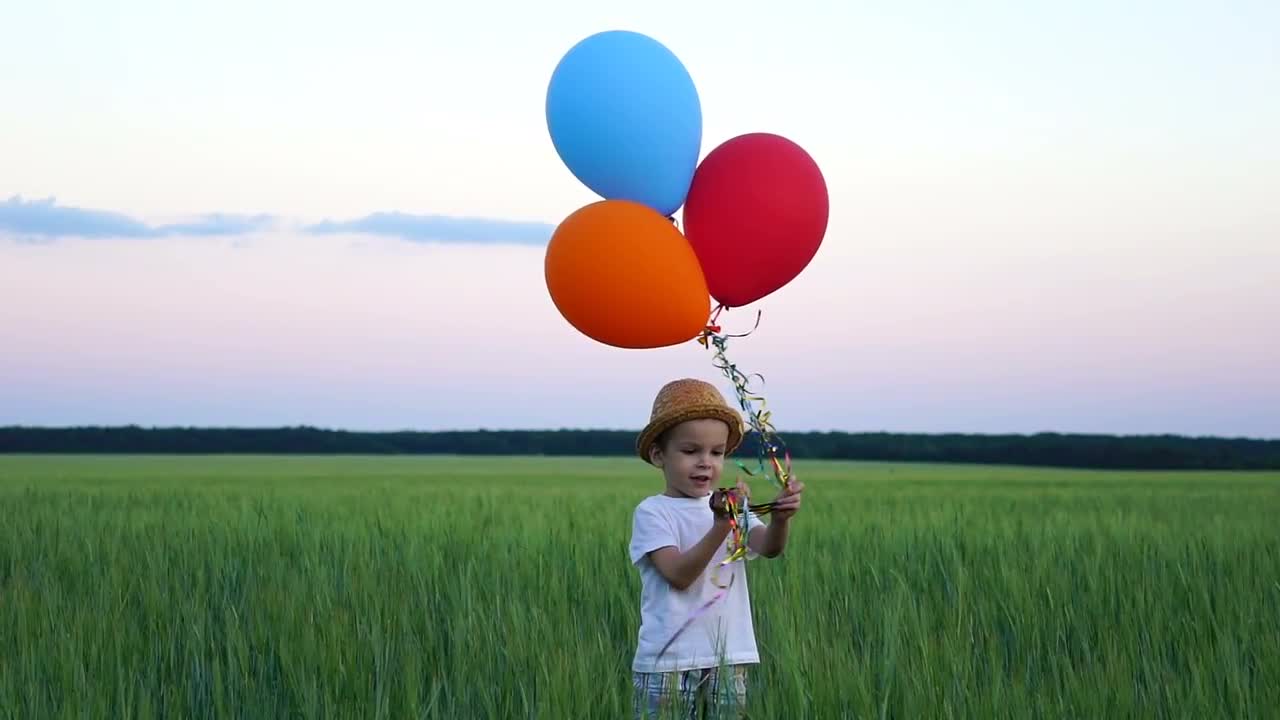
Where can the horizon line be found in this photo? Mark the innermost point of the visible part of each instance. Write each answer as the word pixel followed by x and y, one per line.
pixel 517 430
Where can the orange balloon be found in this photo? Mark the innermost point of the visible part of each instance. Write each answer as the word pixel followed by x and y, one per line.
pixel 624 275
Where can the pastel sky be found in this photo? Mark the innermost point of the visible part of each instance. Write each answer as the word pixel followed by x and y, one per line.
pixel 1045 216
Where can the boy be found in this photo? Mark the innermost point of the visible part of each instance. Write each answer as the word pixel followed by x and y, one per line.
pixel 677 539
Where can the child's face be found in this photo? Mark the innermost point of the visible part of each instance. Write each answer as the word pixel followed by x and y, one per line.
pixel 692 458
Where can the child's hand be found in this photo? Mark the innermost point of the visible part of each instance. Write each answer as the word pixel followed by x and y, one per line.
pixel 787 504
pixel 718 499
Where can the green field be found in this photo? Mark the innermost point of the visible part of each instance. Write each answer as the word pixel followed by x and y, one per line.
pixel 402 587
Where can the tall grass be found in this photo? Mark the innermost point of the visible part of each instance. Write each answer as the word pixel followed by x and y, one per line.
pixel 500 588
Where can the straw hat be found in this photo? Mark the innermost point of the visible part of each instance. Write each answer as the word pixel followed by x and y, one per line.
pixel 688 399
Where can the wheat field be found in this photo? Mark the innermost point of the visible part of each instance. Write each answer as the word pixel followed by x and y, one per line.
pixel 446 587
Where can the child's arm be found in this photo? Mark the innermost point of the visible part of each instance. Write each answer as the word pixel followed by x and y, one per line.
pixel 770 540
pixel 681 569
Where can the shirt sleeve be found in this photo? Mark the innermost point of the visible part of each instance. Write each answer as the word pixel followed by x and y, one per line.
pixel 650 530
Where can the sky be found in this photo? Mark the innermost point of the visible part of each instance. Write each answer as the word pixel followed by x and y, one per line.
pixel 1044 216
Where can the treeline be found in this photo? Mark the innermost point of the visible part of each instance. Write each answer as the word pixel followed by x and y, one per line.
pixel 1046 449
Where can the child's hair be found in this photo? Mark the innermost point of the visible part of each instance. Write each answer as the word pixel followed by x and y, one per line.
pixel 683 400
pixel 660 442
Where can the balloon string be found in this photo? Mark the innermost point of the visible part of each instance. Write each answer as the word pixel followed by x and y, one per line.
pixel 693 616
pixel 768 441
pixel 739 514
pixel 766 455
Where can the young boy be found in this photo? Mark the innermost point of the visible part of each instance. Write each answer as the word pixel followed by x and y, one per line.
pixel 678 537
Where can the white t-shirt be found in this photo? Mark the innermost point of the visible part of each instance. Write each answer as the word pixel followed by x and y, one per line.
pixel 722 634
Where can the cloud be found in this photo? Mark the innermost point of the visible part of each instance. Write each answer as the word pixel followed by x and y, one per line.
pixel 218 224
pixel 45 219
pixel 441 229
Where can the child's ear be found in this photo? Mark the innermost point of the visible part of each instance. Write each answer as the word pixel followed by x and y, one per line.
pixel 655 455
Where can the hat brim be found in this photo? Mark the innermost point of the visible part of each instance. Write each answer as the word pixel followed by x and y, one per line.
pixel 649 435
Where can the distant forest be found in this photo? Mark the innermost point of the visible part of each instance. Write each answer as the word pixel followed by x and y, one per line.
pixel 1155 452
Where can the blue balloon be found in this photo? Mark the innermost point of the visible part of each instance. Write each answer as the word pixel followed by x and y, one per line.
pixel 625 118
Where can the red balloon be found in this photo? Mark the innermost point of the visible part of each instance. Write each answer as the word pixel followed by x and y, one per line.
pixel 755 215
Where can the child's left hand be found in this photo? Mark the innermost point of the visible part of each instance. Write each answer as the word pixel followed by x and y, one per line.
pixel 787 504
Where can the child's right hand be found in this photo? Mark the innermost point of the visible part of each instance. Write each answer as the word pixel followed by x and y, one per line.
pixel 717 503
pixel 719 499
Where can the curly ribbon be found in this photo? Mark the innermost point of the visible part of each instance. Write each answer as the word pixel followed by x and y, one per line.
pixel 768 445
pixel 694 616
pixel 738 530
pixel 768 441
